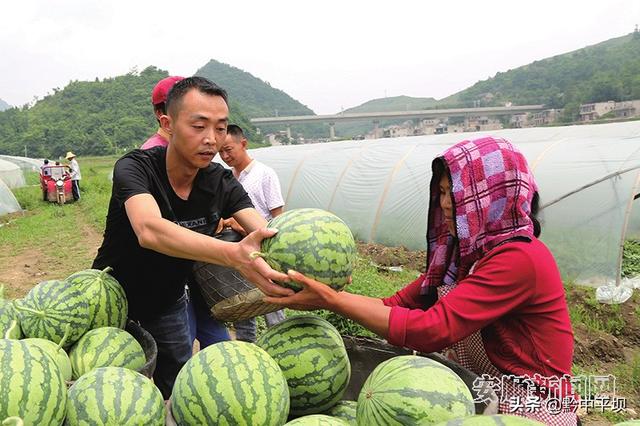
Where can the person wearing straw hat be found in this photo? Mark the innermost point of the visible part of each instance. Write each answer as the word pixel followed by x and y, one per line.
pixel 165 204
pixel 74 168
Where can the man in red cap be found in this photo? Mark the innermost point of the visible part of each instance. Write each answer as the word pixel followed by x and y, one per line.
pixel 158 99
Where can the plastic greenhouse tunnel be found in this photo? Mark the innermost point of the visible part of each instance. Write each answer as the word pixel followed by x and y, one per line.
pixel 588 176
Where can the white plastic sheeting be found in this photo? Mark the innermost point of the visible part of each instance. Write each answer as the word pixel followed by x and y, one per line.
pixel 11 174
pixel 8 203
pixel 588 177
pixel 25 163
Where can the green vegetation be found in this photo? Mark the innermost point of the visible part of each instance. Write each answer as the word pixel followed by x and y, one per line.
pixel 258 98
pixel 104 117
pixel 631 259
pixel 606 71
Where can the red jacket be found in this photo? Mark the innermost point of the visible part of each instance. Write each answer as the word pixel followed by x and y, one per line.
pixel 515 296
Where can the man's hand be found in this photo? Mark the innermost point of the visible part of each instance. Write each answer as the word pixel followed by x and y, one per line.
pixel 233 224
pixel 256 269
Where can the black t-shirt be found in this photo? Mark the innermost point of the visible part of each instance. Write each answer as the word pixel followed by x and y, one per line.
pixel 153 281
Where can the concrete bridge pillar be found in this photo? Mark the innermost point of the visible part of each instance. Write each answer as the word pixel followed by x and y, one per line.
pixel 376 130
pixel 288 131
pixel 332 131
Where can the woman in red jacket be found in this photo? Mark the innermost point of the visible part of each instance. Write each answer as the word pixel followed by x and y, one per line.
pixel 492 298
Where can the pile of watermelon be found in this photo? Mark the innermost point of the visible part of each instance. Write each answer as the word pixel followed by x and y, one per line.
pixel 73 330
pixel 70 332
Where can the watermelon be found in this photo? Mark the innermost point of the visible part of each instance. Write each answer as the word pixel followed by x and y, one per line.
pixel 49 307
pixel 7 316
pixel 108 304
pixel 230 383
pixel 31 386
pixel 313 359
pixel 318 420
pixel 105 347
pixel 56 352
pixel 346 410
pixel 497 419
pixel 411 389
pixel 313 242
pixel 12 421
pixel 114 396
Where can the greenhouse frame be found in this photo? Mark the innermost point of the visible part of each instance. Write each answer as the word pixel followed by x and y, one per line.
pixel 589 178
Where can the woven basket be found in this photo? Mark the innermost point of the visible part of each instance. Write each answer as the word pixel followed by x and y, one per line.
pixel 227 294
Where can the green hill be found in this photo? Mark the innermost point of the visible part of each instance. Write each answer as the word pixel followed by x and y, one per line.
pixel 258 98
pixel 4 105
pixel 395 103
pixel 606 71
pixel 98 117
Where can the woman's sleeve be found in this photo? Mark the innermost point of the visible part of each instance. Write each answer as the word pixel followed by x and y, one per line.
pixel 409 296
pixel 501 283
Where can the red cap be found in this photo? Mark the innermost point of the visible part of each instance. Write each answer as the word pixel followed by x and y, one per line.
pixel 159 93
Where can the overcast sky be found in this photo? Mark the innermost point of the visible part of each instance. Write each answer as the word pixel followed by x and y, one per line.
pixel 329 55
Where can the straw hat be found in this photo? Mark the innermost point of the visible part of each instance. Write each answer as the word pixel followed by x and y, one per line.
pixel 70 155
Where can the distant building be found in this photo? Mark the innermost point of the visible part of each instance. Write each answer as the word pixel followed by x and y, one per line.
pixel 590 112
pixel 627 109
pixel 545 117
pixel 519 120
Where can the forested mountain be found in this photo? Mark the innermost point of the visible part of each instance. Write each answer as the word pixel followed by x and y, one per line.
pixel 4 105
pixel 258 98
pixel 395 103
pixel 97 117
pixel 606 71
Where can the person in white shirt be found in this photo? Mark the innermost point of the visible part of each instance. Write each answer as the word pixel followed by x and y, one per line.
pixel 74 167
pixel 262 184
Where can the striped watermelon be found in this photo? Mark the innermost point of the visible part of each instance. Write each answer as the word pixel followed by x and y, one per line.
pixel 495 420
pixel 49 307
pixel 7 316
pixel 230 383
pixel 313 242
pixel 318 420
pixel 346 410
pixel 412 390
pixel 114 396
pixel 313 359
pixel 55 351
pixel 105 347
pixel 107 300
pixel 31 386
pixel 12 421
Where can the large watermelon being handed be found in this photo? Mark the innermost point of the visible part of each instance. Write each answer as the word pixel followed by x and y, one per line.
pixel 315 243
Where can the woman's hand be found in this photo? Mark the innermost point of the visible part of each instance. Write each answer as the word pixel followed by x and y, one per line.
pixel 314 294
pixel 255 269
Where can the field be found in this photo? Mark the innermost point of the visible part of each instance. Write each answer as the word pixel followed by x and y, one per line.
pixel 47 241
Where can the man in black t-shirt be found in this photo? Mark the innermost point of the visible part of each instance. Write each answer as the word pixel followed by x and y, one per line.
pixel 165 203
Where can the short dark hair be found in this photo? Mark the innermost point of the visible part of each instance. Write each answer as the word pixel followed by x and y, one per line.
pixel 46 161
pixel 203 85
pixel 235 131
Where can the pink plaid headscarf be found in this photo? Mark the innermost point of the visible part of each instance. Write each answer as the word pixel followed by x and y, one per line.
pixel 492 189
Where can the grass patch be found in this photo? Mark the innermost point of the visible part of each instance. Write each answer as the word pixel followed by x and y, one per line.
pixel 585 309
